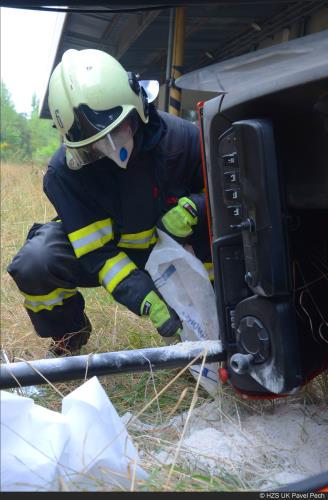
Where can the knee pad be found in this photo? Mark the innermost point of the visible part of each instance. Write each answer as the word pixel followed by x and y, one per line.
pixel 28 266
pixel 44 262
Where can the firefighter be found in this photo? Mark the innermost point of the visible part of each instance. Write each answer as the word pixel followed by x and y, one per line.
pixel 123 170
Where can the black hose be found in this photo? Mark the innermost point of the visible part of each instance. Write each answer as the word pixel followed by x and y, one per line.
pixel 26 373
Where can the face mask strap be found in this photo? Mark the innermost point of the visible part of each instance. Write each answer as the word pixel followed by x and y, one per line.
pixel 111 141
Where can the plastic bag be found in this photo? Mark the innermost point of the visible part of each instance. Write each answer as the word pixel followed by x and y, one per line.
pixel 183 281
pixel 86 447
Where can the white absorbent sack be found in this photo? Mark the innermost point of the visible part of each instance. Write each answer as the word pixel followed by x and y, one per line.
pixel 86 447
pixel 183 281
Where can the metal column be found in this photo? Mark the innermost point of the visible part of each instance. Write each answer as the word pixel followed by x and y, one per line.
pixel 177 62
pixel 168 72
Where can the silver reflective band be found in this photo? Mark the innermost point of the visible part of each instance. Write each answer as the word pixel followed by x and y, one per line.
pixel 139 241
pixel 115 270
pixel 50 302
pixel 97 235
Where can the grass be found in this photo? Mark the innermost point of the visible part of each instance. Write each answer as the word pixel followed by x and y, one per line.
pixel 114 328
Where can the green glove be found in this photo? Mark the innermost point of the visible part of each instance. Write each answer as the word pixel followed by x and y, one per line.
pixel 179 221
pixel 164 318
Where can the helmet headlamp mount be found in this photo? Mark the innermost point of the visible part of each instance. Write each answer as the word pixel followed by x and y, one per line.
pixel 133 82
pixel 138 89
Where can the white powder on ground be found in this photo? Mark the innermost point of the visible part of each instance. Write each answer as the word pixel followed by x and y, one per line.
pixel 286 442
pixel 290 442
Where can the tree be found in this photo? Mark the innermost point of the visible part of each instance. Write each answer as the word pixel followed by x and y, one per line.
pixel 44 138
pixel 15 135
pixel 25 139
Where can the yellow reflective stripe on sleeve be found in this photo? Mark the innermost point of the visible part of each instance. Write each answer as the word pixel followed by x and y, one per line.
pixel 144 239
pixel 115 270
pixel 38 303
pixel 210 270
pixel 91 237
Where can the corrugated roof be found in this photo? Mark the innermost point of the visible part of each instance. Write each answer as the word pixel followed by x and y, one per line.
pixel 213 32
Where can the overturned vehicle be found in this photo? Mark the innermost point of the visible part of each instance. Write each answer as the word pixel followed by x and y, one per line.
pixel 265 155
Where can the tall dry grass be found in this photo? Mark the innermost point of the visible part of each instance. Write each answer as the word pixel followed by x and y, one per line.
pixel 22 203
pixel 114 328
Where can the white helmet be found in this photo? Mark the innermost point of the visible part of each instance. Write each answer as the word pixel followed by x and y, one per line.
pixel 93 102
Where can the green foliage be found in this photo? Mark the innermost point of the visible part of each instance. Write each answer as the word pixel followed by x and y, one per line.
pixel 25 139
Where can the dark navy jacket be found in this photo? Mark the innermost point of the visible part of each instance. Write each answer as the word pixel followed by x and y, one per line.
pixel 166 165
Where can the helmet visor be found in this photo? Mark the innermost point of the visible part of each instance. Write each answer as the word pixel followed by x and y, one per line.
pixel 88 122
pixel 117 145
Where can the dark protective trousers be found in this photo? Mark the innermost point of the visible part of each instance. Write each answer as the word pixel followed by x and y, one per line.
pixel 46 264
pixel 48 274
